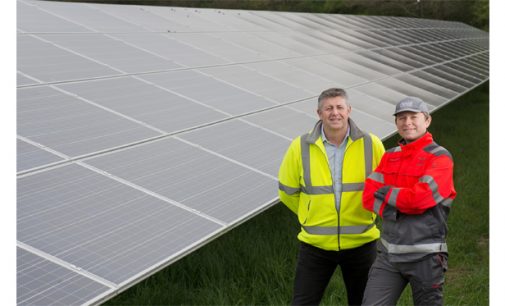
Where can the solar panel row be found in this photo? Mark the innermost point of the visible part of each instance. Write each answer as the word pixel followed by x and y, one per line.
pixel 145 132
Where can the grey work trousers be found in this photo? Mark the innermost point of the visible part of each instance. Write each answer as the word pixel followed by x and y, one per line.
pixel 387 280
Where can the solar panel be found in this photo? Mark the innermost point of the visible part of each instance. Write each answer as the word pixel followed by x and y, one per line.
pixel 44 282
pixel 32 156
pixel 145 132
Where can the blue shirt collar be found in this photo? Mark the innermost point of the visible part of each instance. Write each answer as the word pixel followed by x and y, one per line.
pixel 323 136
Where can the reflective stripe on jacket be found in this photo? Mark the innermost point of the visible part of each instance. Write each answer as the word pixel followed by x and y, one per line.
pixel 412 190
pixel 306 187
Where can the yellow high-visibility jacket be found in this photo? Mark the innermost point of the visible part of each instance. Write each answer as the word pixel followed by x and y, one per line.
pixel 306 187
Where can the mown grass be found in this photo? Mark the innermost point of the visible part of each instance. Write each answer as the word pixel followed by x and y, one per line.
pixel 254 264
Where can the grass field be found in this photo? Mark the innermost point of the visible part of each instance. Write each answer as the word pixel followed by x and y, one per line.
pixel 254 264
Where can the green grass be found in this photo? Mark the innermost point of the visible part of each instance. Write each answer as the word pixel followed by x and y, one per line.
pixel 254 264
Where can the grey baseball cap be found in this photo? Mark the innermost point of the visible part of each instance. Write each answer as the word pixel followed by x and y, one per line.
pixel 411 104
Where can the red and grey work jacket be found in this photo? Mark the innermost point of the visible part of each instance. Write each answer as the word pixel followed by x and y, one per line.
pixel 412 190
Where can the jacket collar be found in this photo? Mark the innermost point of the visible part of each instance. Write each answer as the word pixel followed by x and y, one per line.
pixel 355 133
pixel 418 144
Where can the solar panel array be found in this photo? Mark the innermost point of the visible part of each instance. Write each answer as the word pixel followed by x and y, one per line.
pixel 145 132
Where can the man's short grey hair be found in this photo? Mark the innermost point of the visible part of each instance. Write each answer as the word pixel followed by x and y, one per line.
pixel 331 93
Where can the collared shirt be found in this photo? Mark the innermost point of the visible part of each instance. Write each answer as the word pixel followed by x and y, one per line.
pixel 335 158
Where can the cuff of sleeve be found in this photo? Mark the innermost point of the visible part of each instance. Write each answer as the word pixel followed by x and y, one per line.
pixel 377 204
pixel 382 192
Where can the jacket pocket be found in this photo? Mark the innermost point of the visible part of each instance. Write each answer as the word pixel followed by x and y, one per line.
pixel 307 213
pixel 304 208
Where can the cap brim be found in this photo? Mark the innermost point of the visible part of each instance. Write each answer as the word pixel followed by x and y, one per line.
pixel 408 110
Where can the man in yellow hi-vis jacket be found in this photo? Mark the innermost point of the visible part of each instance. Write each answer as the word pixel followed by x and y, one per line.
pixel 321 180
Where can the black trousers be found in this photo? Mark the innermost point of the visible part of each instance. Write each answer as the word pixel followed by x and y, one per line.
pixel 315 268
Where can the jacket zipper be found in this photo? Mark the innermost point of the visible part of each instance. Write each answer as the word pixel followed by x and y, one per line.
pixel 340 200
pixel 337 208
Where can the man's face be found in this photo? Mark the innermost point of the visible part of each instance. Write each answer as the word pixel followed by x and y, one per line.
pixel 334 112
pixel 411 125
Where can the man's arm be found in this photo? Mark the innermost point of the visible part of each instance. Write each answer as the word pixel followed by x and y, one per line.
pixel 374 194
pixel 289 177
pixel 433 187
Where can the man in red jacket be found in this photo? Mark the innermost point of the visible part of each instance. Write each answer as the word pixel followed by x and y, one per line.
pixel 412 190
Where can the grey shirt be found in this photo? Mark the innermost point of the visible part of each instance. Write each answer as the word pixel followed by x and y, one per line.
pixel 335 158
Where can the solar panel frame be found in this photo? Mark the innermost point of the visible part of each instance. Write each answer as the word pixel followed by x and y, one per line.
pixel 31 156
pixel 216 94
pixel 51 63
pixel 164 44
pixel 67 286
pixel 168 173
pixel 105 48
pixel 93 129
pixel 32 19
pixel 145 102
pixel 72 234
pixel 251 80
